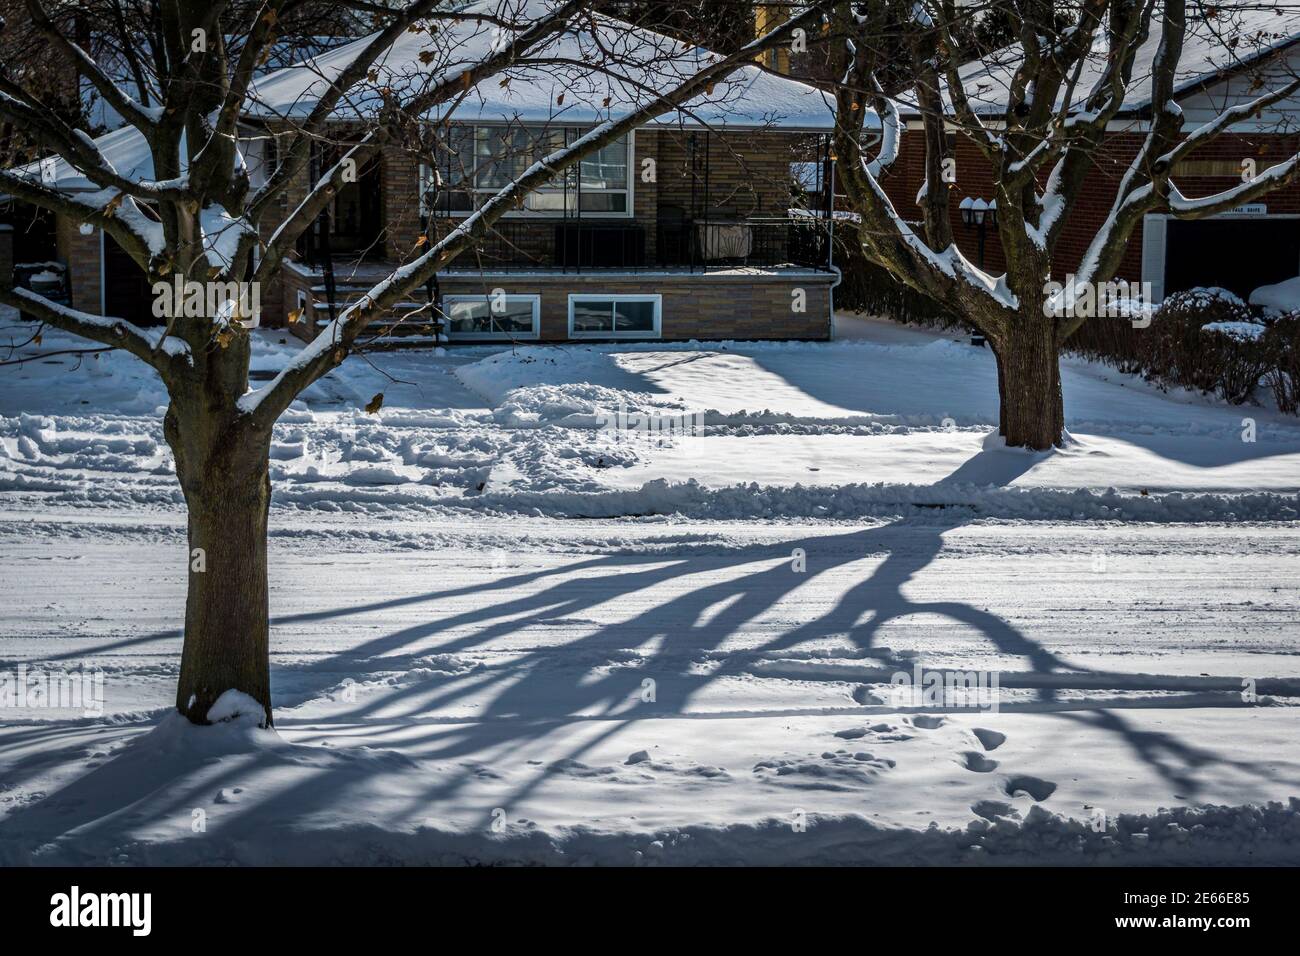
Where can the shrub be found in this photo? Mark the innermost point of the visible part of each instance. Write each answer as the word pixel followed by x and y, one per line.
pixel 1281 343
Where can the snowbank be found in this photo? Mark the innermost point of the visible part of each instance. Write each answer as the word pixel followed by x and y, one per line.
pixel 1280 298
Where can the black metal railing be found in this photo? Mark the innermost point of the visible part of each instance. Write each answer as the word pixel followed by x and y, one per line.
pixel 671 242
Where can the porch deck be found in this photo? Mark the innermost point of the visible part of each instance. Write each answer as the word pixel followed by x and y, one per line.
pixel 349 271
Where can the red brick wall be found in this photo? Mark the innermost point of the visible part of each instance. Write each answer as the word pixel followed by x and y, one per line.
pixel 1089 212
pixel 81 253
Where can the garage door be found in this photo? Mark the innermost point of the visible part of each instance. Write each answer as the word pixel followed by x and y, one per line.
pixel 1236 254
pixel 126 288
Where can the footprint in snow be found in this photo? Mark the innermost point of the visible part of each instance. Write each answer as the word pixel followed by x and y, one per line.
pixel 864 695
pixel 978 762
pixel 989 739
pixel 1036 787
pixel 926 721
pixel 881 732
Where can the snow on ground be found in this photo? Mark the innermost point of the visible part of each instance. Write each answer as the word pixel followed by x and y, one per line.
pixel 700 670
pixel 848 429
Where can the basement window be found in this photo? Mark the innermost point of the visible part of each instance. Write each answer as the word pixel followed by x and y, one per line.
pixel 493 316
pixel 615 316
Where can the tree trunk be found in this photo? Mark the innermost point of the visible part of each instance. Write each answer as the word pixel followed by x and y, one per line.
pixel 228 492
pixel 1032 412
pixel 1002 389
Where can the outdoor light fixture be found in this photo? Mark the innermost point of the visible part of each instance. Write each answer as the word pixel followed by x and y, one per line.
pixel 979 214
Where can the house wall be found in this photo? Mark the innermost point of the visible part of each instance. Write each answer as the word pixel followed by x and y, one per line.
pixel 748 176
pixel 1238 88
pixel 713 305
pixel 1212 168
pixel 81 253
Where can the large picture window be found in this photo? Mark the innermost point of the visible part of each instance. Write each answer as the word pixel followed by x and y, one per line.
pixel 478 161
pixel 492 316
pixel 615 316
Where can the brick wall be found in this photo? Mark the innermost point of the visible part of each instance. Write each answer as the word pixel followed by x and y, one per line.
pixel 748 176
pixel 748 171
pixel 400 189
pixel 694 306
pixel 81 253
pixel 1089 212
pixel 292 281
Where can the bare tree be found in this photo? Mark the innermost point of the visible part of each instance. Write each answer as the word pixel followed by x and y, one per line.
pixel 200 217
pixel 1067 77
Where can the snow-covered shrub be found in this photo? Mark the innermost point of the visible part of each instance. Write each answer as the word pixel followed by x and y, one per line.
pixel 1281 343
pixel 1209 340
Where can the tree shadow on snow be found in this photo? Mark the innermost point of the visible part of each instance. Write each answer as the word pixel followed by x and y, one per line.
pixel 697 637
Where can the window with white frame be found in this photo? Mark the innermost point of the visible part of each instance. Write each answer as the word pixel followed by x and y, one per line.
pixel 492 316
pixel 478 161
pixel 615 316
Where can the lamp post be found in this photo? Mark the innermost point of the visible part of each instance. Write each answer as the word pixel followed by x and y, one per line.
pixel 978 214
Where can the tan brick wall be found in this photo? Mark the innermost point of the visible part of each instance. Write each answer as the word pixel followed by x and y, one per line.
pixel 291 283
pixel 400 189
pixel 694 306
pixel 748 171
pixel 748 176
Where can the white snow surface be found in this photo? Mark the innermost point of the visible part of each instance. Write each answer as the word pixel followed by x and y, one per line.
pixel 1279 298
pixel 630 67
pixel 460 674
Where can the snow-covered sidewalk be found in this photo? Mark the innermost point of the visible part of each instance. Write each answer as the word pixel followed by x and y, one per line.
pixel 699 671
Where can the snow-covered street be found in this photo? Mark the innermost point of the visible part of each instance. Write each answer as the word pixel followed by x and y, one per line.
pixel 502 632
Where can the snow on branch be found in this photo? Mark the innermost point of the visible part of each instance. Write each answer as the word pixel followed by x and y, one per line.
pixel 112 210
pixel 108 330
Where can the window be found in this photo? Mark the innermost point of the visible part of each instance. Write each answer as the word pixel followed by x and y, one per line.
pixel 477 161
pixel 493 316
pixel 614 316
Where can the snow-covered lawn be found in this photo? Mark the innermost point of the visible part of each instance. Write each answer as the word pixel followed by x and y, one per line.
pixel 699 670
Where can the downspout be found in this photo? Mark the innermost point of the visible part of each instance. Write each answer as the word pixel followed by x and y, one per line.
pixel 830 238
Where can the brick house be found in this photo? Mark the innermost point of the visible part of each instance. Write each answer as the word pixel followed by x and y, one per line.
pixel 1251 246
pixel 680 231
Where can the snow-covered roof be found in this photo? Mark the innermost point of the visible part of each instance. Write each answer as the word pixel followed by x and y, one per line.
pixel 101 114
pixel 1238 33
pixel 549 92
pixel 126 149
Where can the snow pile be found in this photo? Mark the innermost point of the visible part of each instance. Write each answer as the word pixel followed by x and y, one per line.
pixel 235 706
pixel 1279 299
pixel 694 500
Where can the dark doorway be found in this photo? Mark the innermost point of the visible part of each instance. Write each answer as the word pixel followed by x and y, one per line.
pixel 1239 255
pixel 356 215
pixel 126 288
